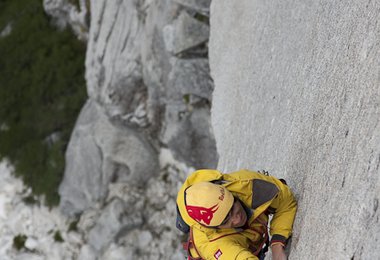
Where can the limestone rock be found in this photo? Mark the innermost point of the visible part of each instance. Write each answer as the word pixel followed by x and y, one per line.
pixel 99 153
pixel 177 89
pixel 116 218
pixel 65 13
pixel 144 238
pixel 193 146
pixel 297 93
pixel 113 67
pixel 87 253
pixel 83 183
pixel 88 220
pixel 190 77
pixel 116 252
pixel 155 60
pixel 142 98
pixel 115 81
pixel 202 6
pixel 6 30
pixel 31 243
pixel 185 32
pixel 157 237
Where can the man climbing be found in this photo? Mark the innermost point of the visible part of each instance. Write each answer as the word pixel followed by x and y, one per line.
pixel 226 215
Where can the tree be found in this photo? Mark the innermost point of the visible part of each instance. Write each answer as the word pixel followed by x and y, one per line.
pixel 42 89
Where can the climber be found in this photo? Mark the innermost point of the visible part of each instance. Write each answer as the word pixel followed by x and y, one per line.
pixel 226 215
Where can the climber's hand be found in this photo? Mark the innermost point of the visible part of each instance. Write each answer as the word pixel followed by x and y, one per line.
pixel 278 252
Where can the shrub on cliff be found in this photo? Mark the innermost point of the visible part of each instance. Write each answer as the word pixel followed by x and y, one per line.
pixel 42 89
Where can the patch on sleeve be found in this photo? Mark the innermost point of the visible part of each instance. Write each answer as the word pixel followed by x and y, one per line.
pixel 218 254
pixel 263 191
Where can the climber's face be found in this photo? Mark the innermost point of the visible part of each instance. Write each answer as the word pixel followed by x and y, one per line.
pixel 237 217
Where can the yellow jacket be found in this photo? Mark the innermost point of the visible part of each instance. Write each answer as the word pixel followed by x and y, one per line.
pixel 262 195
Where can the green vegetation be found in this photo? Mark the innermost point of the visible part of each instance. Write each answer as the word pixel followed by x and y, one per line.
pixel 19 241
pixel 42 89
pixel 186 98
pixel 58 237
pixel 30 200
pixel 202 18
pixel 73 226
pixel 75 2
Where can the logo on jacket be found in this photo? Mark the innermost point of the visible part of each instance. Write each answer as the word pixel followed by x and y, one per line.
pixel 221 197
pixel 218 254
pixel 201 213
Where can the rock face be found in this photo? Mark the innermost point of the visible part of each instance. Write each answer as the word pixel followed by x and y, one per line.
pixel 145 125
pixel 66 13
pixel 142 97
pixel 101 153
pixel 297 93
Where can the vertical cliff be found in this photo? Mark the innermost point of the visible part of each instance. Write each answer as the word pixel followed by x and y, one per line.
pixel 297 93
pixel 145 124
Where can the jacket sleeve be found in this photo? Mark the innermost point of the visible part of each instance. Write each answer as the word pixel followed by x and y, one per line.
pixel 225 250
pixel 285 207
pixel 246 255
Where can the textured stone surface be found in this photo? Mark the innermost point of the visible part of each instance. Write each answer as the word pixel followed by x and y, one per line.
pixel 113 68
pixel 146 124
pixel 184 33
pixel 179 89
pixel 297 93
pixel 100 153
pixel 116 218
pixel 142 98
pixel 195 123
pixel 65 13
pixel 136 80
pixel 37 222
pixel 202 6
pixel 6 30
pixel 190 77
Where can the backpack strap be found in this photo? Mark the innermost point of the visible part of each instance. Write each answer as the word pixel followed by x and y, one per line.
pixel 187 246
pixel 263 247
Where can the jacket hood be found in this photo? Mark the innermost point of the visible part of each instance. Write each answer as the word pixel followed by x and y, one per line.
pixel 197 176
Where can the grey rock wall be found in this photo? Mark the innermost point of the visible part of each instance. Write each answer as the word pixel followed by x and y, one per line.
pixel 297 92
pixel 66 13
pixel 145 125
pixel 101 153
pixel 143 96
